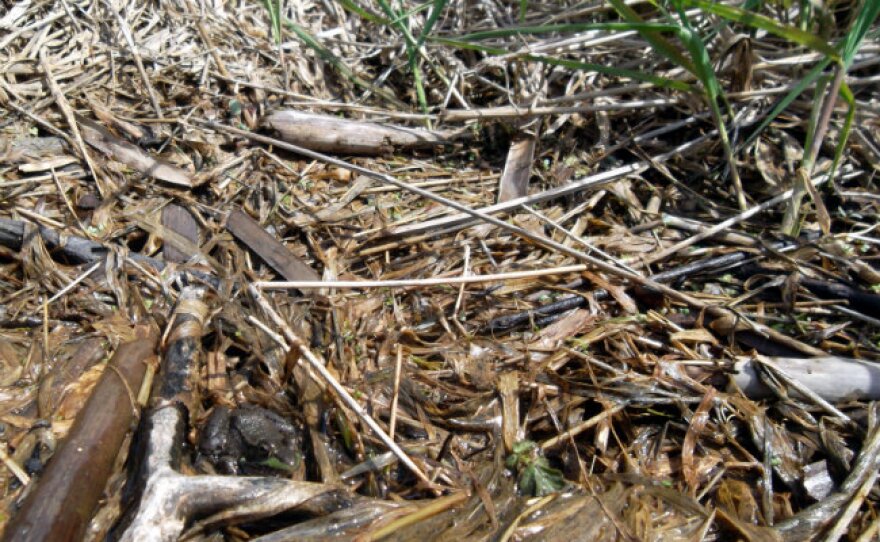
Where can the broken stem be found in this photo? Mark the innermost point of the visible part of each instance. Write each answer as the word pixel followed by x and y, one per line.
pixel 343 394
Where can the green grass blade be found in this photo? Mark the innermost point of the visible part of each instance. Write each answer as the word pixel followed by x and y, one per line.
pixel 351 6
pixel 468 46
pixel 756 20
pixel 568 28
pixel 432 19
pixel 273 7
pixel 818 98
pixel 398 21
pixel 657 41
pixel 706 74
pixel 403 16
pixel 861 26
pixel 850 99
pixel 610 70
pixel 781 106
pixel 340 66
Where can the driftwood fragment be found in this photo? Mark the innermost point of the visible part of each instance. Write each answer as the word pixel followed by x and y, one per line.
pixel 326 133
pixel 514 182
pixel 131 155
pixel 248 231
pixel 832 378
pixel 181 222
pixel 61 504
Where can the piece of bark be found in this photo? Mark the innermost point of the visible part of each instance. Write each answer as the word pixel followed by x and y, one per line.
pixel 508 389
pixel 271 250
pixel 65 496
pixel 122 151
pixel 514 182
pixel 326 133
pixel 181 222
pixel 68 369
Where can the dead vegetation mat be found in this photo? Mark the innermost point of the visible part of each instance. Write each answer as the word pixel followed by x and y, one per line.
pixel 636 367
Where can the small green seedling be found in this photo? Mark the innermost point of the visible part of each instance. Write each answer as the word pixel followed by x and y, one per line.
pixel 536 476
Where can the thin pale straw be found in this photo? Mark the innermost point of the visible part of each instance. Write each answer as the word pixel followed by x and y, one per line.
pixel 438 281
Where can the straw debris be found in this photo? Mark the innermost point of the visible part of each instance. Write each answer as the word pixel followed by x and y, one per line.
pixel 450 270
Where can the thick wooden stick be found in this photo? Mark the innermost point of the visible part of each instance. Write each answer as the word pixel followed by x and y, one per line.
pixel 62 503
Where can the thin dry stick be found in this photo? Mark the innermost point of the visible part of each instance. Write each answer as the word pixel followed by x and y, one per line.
pixel 537 505
pixel 577 239
pixel 67 202
pixel 508 112
pixel 206 38
pixel 466 272
pixel 343 394
pixel 672 293
pixel 402 283
pixel 578 429
pixel 721 226
pixel 74 282
pixel 14 467
pixel 64 105
pixel 843 522
pixel 397 365
pixel 129 39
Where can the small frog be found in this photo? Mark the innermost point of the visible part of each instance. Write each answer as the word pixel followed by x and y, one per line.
pixel 250 440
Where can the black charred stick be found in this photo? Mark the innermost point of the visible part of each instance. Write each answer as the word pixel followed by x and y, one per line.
pixel 864 302
pixel 543 314
pixel 79 250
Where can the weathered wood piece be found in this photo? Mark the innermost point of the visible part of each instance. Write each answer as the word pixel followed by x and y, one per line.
pixel 514 182
pixel 326 133
pixel 122 151
pixel 834 379
pixel 248 231
pixel 181 222
pixel 60 506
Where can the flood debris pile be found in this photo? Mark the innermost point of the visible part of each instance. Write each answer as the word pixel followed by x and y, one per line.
pixel 455 270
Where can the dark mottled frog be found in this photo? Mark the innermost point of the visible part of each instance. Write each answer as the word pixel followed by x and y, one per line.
pixel 250 440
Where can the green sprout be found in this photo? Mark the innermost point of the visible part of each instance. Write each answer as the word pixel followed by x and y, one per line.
pixel 536 476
